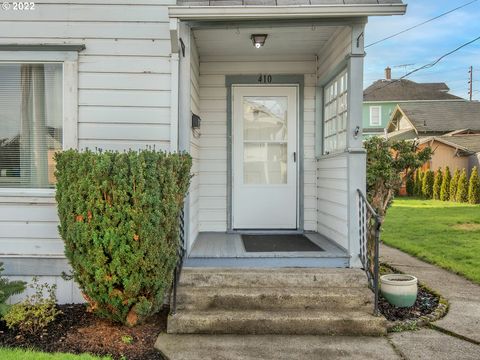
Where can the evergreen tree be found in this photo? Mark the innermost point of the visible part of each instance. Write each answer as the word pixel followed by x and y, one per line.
pixel 445 188
pixel 410 185
pixel 417 190
pixel 462 187
pixel 454 185
pixel 437 184
pixel 427 184
pixel 474 187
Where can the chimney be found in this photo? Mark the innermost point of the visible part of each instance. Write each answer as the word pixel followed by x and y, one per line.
pixel 388 73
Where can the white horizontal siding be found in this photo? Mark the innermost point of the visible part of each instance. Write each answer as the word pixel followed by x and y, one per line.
pixel 332 198
pixel 213 142
pixel 194 193
pixel 124 98
pixel 67 291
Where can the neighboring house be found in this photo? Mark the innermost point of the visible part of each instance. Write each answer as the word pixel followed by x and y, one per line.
pixel 381 98
pixel 450 128
pixel 278 90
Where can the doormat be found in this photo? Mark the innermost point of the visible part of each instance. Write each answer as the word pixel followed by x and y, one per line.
pixel 284 242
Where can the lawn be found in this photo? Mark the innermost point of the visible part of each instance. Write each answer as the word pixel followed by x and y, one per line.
pixel 18 354
pixel 442 233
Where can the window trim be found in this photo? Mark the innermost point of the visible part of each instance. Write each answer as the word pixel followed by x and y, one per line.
pixel 379 115
pixel 69 61
pixel 337 76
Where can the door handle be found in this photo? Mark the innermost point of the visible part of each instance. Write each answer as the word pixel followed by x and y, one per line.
pixel 294 156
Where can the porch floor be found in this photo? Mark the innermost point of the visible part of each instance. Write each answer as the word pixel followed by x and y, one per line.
pixel 223 249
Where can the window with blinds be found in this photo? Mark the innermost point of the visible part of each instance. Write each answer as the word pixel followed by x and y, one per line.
pixel 375 116
pixel 31 101
pixel 335 114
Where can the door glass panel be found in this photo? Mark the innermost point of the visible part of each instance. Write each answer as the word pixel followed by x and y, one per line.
pixel 265 163
pixel 265 118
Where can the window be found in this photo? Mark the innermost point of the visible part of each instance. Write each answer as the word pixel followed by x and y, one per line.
pixel 375 116
pixel 335 114
pixel 31 123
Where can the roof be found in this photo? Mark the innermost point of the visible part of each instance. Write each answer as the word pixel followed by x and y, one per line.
pixel 282 2
pixel 282 9
pixel 465 142
pixel 442 116
pixel 404 90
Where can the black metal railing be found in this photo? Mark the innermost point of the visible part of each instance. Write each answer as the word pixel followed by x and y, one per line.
pixel 181 255
pixel 369 231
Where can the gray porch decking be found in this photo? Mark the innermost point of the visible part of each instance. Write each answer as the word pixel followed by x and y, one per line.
pixel 217 249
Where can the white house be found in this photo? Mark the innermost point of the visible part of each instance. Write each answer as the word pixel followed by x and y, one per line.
pixel 278 88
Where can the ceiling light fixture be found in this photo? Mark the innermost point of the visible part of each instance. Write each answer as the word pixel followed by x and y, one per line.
pixel 258 40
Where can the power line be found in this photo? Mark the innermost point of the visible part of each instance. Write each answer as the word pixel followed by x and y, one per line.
pixel 420 24
pixel 427 66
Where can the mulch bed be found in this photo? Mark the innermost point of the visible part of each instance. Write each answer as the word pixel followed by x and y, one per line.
pixel 78 331
pixel 426 303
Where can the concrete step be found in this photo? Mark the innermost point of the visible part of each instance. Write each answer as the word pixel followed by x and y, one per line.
pixel 276 277
pixel 277 322
pixel 205 298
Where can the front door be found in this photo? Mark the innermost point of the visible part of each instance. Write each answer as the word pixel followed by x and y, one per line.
pixel 264 157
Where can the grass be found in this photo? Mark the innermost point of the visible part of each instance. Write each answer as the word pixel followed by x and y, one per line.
pixel 446 234
pixel 20 354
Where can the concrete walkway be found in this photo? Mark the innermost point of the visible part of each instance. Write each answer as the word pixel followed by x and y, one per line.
pixel 463 317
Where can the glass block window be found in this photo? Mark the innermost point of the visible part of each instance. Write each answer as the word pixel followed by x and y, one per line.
pixel 335 114
pixel 31 123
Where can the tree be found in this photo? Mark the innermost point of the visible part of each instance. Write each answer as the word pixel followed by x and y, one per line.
pixel 410 185
pixel 462 188
pixel 418 182
pixel 474 187
pixel 427 184
pixel 454 185
pixel 445 188
pixel 437 184
pixel 388 164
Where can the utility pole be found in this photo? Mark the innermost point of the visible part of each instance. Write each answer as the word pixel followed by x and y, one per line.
pixel 470 83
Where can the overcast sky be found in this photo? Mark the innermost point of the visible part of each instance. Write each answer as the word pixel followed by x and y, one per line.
pixel 426 43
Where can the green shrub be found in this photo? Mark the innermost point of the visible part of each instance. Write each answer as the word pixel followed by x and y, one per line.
pixel 445 188
pixel 119 221
pixel 454 185
pixel 417 191
pixel 410 185
pixel 474 187
pixel 427 184
pixel 34 313
pixel 437 184
pixel 7 289
pixel 462 188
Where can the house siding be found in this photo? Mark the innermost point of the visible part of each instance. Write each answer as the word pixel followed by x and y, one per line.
pixel 213 142
pixel 123 103
pixel 332 198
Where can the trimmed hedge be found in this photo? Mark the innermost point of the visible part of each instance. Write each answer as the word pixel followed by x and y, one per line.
pixel 119 221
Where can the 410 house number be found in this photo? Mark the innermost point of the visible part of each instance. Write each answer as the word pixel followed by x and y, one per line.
pixel 265 79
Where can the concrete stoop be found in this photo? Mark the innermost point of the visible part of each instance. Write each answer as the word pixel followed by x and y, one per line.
pixel 282 301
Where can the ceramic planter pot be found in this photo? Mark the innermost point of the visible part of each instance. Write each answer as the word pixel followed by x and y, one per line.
pixel 400 290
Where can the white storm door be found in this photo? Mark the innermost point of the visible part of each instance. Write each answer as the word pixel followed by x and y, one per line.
pixel 264 157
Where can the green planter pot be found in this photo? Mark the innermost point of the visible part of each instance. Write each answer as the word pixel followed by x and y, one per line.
pixel 400 290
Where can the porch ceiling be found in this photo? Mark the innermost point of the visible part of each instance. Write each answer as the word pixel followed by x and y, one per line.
pixel 232 42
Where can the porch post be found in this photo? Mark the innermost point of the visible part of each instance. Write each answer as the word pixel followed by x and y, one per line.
pixel 356 154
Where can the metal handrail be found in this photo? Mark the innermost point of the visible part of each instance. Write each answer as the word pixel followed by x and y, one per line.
pixel 181 250
pixel 369 252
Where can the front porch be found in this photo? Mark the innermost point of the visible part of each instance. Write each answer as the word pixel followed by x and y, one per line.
pixel 216 249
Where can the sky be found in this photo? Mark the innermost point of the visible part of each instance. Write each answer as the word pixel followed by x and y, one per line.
pixel 426 43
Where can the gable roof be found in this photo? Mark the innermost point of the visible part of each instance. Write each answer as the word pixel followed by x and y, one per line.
pixel 282 2
pixel 404 90
pixel 467 143
pixel 441 116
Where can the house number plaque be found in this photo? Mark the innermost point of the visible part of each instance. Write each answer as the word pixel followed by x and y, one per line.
pixel 265 79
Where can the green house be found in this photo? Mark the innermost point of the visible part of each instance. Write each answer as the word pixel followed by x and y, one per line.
pixel 382 96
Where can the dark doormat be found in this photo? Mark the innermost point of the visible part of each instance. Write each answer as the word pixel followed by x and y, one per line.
pixel 285 242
